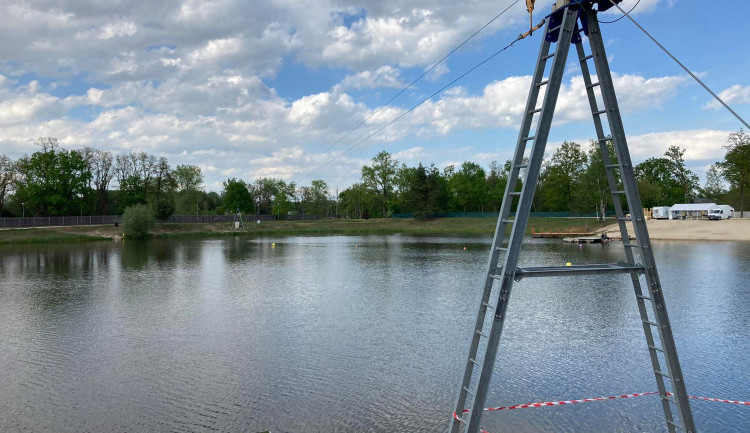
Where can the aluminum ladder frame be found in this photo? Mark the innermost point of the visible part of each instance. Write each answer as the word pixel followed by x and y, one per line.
pixel 563 29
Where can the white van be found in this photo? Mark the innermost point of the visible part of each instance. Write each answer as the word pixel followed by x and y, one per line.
pixel 721 212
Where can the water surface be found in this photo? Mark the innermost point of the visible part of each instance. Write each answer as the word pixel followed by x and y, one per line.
pixel 350 334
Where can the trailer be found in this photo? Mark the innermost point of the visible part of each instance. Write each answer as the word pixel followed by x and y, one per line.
pixel 660 213
pixel 721 212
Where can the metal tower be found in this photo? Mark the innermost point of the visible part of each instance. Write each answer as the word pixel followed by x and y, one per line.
pixel 564 26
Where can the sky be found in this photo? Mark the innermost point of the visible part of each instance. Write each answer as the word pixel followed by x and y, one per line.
pixel 292 88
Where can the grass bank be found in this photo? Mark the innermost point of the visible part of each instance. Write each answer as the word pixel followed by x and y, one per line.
pixel 467 226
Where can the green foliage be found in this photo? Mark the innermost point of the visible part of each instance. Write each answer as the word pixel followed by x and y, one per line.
pixel 561 178
pixel 736 164
pixel 137 220
pixel 164 209
pixel 54 181
pixel 380 178
pixel 236 196
pixel 666 181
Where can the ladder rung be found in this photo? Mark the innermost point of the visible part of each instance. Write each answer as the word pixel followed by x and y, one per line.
pixel 611 165
pixel 515 194
pixel 658 349
pixel 536 110
pixel 629 245
pixel 645 298
pixel 548 56
pixel 648 322
pixel 590 56
pixel 508 221
pixel 619 192
pixel 675 424
pixel 474 361
pixel 661 373
pixel 552 271
pixel 542 83
pixel 487 305
pixel 625 219
pixel 468 390
pixel 482 333
pixel 592 85
pixel 596 113
pixel 503 249
pixel 663 397
pixel 554 29
pixel 522 165
pixel 529 138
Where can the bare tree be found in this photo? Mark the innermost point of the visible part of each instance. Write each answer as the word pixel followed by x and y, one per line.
pixel 8 171
pixel 102 171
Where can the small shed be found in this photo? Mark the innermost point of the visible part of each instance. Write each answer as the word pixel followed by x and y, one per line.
pixel 691 210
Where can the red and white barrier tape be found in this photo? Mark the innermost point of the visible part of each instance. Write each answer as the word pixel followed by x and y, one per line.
pixel 562 402
pixel 720 400
pixel 589 400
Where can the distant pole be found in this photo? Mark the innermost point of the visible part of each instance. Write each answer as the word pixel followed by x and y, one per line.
pixel 23 212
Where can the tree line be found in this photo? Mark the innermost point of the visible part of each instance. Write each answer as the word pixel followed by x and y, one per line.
pixel 55 181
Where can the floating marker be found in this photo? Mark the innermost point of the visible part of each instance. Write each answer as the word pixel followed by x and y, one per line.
pixel 569 264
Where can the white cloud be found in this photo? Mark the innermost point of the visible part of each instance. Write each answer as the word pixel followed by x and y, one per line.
pixel 699 144
pixel 502 103
pixel 734 95
pixel 384 76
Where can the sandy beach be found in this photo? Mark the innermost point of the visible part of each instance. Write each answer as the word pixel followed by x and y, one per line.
pixel 692 230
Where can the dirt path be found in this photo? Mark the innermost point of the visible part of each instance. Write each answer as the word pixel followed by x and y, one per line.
pixel 693 230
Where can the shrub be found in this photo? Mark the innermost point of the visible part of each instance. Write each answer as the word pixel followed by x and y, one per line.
pixel 137 220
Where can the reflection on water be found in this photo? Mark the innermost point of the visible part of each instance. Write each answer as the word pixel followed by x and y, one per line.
pixel 342 334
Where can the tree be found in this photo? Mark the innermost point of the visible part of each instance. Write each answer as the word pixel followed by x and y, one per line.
pixel 137 220
pixel 593 189
pixel 419 194
pixel 714 187
pixel 357 201
pixel 7 178
pixel 187 180
pixel 380 178
pixel 236 196
pixel 666 181
pixel 54 181
pixel 469 188
pixel 318 196
pixel 101 167
pixel 561 177
pixel 164 209
pixel 497 180
pixel 687 180
pixel 736 164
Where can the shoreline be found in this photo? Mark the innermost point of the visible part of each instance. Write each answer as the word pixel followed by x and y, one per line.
pixel 682 230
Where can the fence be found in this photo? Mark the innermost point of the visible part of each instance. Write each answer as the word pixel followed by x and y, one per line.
pixel 89 220
pixel 494 215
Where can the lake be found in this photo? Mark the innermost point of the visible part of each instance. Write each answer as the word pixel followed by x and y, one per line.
pixel 352 334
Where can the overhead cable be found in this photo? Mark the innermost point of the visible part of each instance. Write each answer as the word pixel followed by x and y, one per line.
pixel 427 71
pixel 682 66
pixel 439 91
pixel 623 15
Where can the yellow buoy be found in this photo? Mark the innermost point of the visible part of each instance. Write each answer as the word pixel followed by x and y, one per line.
pixel 569 264
pixel 273 245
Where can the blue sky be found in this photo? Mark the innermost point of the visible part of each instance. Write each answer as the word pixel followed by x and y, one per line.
pixel 254 89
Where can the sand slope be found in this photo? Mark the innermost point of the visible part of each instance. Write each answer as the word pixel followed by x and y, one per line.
pixel 693 230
